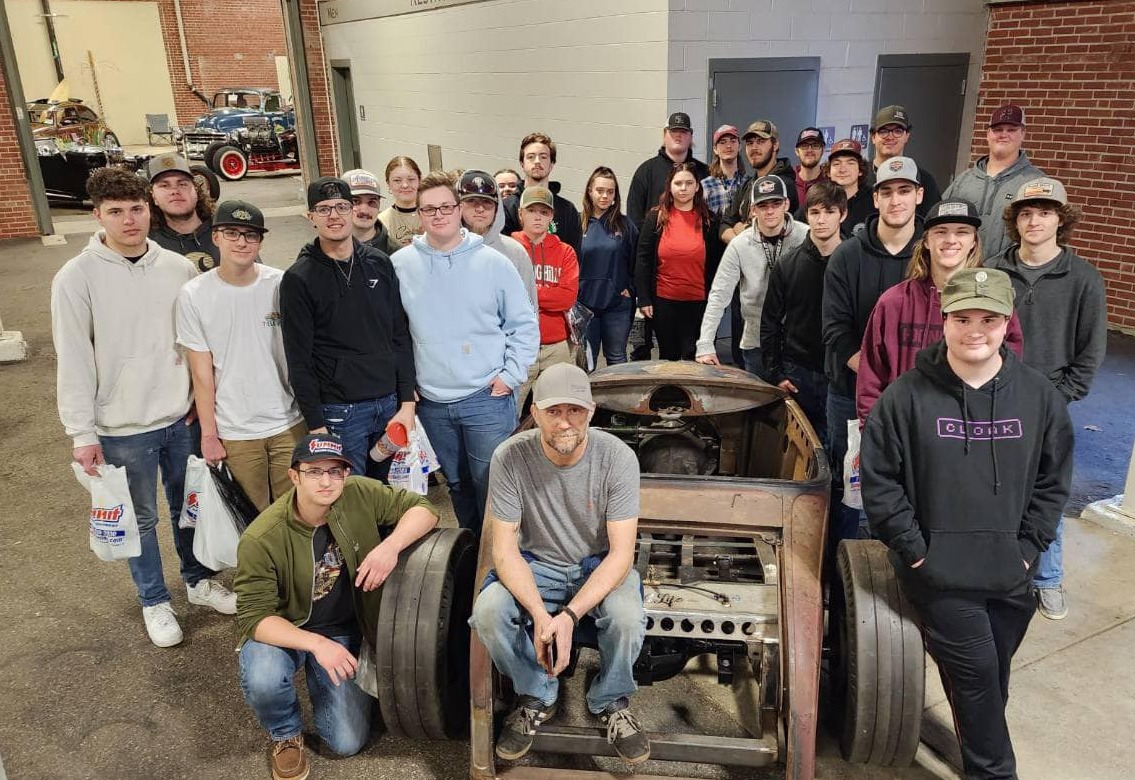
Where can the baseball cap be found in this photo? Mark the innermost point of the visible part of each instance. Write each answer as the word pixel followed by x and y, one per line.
pixel 362 182
pixel 768 188
pixel 562 383
pixel 167 163
pixel 319 446
pixel 1042 189
pixel 1008 114
pixel 952 210
pixel 327 188
pixel 987 289
pixel 810 134
pixel 762 128
pixel 239 213
pixel 476 184
pixel 891 115
pixel 537 196
pixel 846 146
pixel 679 120
pixel 723 131
pixel 896 168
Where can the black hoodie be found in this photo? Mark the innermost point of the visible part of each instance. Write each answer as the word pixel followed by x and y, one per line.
pixel 650 179
pixel 974 481
pixel 198 246
pixel 859 271
pixel 791 317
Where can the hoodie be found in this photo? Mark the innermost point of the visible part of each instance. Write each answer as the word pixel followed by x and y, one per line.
pixel 470 318
pixel 1064 319
pixel 511 249
pixel 750 260
pixel 381 240
pixel 791 317
pixel 906 320
pixel 859 271
pixel 972 481
pixel 557 283
pixel 991 194
pixel 119 371
pixel 738 210
pixel 565 217
pixel 606 267
pixel 650 179
pixel 197 246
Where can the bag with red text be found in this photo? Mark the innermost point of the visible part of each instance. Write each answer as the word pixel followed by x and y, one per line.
pixel 411 466
pixel 113 524
pixel 196 475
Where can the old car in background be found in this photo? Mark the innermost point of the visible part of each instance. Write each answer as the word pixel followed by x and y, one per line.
pixel 69 121
pixel 231 107
pixel 257 146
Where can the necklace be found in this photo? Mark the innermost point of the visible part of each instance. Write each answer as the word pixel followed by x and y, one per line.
pixel 350 268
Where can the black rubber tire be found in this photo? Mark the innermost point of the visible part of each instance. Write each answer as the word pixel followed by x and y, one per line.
pixel 213 184
pixel 878 659
pixel 230 163
pixel 422 645
pixel 211 152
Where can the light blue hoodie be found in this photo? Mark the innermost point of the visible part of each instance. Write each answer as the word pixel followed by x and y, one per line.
pixel 470 317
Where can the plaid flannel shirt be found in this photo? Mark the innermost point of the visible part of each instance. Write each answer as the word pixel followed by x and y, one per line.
pixel 719 192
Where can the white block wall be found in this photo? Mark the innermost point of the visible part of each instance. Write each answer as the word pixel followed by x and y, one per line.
pixel 847 35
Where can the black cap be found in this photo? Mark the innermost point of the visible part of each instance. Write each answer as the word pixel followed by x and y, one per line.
pixel 327 188
pixel 679 120
pixel 239 213
pixel 319 446
pixel 476 184
pixel 810 134
pixel 952 210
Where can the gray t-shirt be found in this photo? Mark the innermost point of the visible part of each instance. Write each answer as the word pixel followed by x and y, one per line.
pixel 1033 273
pixel 563 511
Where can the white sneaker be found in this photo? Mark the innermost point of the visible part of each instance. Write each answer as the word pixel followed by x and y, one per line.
pixel 161 625
pixel 208 593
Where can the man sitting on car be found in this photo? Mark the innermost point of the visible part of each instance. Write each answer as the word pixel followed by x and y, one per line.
pixel 182 211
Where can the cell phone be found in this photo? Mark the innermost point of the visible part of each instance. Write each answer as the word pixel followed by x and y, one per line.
pixel 552 652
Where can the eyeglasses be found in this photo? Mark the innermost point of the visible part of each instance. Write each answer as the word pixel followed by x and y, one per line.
pixel 338 208
pixel 335 472
pixel 891 132
pixel 446 210
pixel 251 236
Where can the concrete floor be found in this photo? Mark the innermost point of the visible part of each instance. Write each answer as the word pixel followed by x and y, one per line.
pixel 86 695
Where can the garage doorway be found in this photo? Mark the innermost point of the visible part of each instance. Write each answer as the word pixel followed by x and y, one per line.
pixel 346 120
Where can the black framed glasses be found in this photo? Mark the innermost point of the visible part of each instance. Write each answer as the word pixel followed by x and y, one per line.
pixel 446 210
pixel 339 208
pixel 232 234
pixel 335 472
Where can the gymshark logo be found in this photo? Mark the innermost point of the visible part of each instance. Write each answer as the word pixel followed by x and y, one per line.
pixel 371 283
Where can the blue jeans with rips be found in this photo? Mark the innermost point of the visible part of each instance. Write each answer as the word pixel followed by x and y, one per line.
pixel 1050 570
pixel 611 328
pixel 342 712
pixel 619 619
pixel 142 455
pixel 360 425
pixel 464 435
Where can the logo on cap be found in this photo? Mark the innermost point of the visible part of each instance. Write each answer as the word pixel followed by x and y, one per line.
pixel 809 134
pixel 981 276
pixel 896 164
pixel 954 210
pixel 478 182
pixel 766 187
pixel 330 191
pixel 241 214
pixel 900 115
pixel 168 162
pixel 326 446
pixel 1038 189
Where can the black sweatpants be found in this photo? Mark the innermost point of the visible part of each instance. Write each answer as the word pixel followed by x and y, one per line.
pixel 677 325
pixel 972 637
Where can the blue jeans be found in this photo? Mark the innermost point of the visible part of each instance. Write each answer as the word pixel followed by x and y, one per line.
pixel 1050 570
pixel 360 425
pixel 611 327
pixel 754 361
pixel 464 435
pixel 619 619
pixel 845 520
pixel 812 395
pixel 142 454
pixel 341 712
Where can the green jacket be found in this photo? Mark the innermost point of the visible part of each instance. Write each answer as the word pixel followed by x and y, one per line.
pixel 275 570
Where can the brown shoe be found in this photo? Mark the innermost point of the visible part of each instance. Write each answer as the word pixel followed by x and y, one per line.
pixel 289 760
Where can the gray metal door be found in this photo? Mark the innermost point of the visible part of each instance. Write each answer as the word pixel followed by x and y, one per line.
pixel 346 121
pixel 781 89
pixel 932 88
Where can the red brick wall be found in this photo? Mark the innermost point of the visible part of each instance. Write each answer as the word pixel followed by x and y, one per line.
pixel 17 220
pixel 1071 65
pixel 318 74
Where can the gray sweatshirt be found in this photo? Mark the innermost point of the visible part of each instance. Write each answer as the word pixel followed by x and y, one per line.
pixel 511 248
pixel 991 195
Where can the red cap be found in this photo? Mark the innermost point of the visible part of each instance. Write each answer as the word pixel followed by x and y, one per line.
pixel 725 130
pixel 1008 114
pixel 846 146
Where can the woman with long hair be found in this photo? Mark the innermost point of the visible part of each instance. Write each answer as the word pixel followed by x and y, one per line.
pixel 401 216
pixel 677 257
pixel 908 317
pixel 606 266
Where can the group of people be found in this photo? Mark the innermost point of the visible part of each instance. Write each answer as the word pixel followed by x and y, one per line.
pixel 854 285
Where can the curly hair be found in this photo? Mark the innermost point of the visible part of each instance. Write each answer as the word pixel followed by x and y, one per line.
pixel 204 208
pixel 116 184
pixel 1069 216
pixel 864 167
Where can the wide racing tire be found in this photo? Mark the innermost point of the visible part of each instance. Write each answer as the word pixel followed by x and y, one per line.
pixel 230 163
pixel 211 152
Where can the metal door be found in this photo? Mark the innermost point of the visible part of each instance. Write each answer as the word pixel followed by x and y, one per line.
pixel 932 88
pixel 346 122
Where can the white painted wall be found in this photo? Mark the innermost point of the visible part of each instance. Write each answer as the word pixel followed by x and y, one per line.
pixel 847 35
pixel 475 79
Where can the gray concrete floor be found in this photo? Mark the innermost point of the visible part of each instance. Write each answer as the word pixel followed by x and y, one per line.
pixel 85 694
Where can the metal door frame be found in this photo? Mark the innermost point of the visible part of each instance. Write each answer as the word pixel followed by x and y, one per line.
pixel 347 113
pixel 747 65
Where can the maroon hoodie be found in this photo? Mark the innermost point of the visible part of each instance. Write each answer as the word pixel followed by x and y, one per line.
pixel 906 319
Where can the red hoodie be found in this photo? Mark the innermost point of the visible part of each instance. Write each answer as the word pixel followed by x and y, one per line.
pixel 557 283
pixel 907 318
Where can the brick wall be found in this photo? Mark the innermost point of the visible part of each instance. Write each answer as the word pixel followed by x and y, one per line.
pixel 17 220
pixel 1071 65
pixel 323 114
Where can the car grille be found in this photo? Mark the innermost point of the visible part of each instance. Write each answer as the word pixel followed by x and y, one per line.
pixel 195 142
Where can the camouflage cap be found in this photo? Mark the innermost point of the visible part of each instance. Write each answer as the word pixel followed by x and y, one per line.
pixel 762 128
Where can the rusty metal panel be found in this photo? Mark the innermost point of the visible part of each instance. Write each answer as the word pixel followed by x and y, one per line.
pixel 630 387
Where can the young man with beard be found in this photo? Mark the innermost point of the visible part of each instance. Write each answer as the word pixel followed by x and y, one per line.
pixel 563 503
pixel 809 150
pixel 350 359
pixel 123 389
pixel 181 211
pixel 791 321
pixel 762 143
pixel 366 203
pixel 860 270
pixel 725 172
pixel 967 463
pixel 650 177
pixel 538 160
pixel 481 213
pixel 1063 309
pixel 749 259
pixel 889 135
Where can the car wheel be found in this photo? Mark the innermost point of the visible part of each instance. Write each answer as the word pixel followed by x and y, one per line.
pixel 211 152
pixel 878 657
pixel 212 183
pixel 230 163
pixel 110 140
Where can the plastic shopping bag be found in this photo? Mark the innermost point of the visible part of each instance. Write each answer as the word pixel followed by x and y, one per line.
pixel 852 495
pixel 217 533
pixel 411 466
pixel 243 510
pixel 196 475
pixel 113 524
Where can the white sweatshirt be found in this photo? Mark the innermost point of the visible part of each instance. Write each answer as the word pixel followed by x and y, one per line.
pixel 119 370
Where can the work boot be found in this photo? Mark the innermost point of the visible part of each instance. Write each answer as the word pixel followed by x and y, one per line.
pixel 289 760
pixel 209 593
pixel 162 625
pixel 625 732
pixel 520 727
pixel 1052 603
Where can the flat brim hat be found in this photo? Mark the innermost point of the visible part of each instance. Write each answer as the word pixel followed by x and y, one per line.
pixel 239 213
pixel 537 196
pixel 362 182
pixel 810 135
pixel 952 211
pixel 762 128
pixel 327 188
pixel 987 289
pixel 679 120
pixel 723 131
pixel 319 446
pixel 1008 114
pixel 896 169
pixel 161 164
pixel 768 188
pixel 562 383
pixel 891 115
pixel 846 146
pixel 1044 188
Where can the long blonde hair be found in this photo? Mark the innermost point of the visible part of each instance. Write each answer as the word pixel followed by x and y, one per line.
pixel 919 266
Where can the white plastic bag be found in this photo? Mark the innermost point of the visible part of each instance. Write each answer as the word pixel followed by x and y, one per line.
pixel 852 496
pixel 411 466
pixel 113 524
pixel 217 535
pixel 196 475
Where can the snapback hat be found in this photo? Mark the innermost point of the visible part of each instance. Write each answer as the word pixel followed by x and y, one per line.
pixel 239 213
pixel 476 184
pixel 723 131
pixel 768 188
pixel 537 196
pixel 362 182
pixel 846 146
pixel 952 210
pixel 1044 188
pixel 327 188
pixel 679 120
pixel 1008 114
pixel 810 135
pixel 891 115
pixel 987 289
pixel 169 162
pixel 896 169
pixel 762 128
pixel 562 383
pixel 319 446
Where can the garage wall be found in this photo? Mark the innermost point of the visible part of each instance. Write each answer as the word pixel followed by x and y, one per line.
pixel 17 220
pixel 475 79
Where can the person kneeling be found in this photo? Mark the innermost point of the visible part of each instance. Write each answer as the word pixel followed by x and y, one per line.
pixel 563 503
pixel 307 585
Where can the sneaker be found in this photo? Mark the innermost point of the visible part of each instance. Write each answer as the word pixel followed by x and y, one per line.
pixel 161 625
pixel 210 593
pixel 289 759
pixel 1052 603
pixel 520 727
pixel 625 732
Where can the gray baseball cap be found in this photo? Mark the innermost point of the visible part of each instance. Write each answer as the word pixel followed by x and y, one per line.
pixel 1044 188
pixel 562 383
pixel 897 169
pixel 161 164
